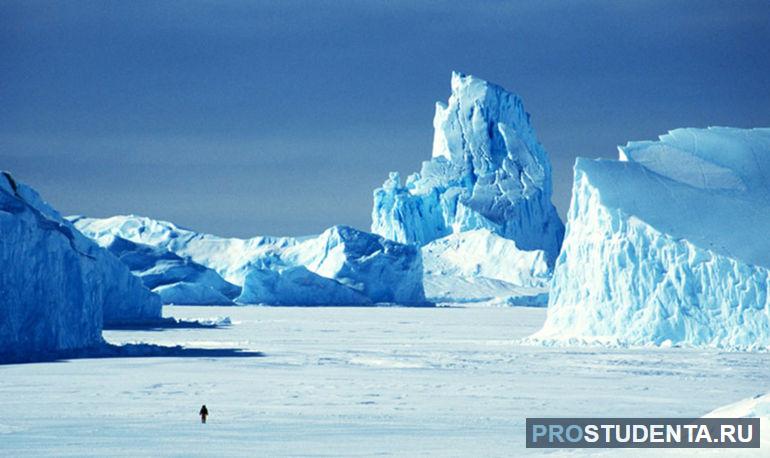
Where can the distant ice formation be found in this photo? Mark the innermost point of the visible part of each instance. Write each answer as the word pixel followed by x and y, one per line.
pixel 342 266
pixel 176 279
pixel 488 171
pixel 490 178
pixel 296 285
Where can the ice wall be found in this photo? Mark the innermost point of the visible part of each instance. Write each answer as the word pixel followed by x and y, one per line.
pixel 58 288
pixel 669 244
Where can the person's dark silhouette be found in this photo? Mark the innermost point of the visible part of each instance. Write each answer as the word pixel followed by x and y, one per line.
pixel 204 412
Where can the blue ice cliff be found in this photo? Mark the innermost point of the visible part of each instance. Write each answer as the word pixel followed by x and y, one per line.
pixel 57 287
pixel 341 266
pixel 488 187
pixel 669 244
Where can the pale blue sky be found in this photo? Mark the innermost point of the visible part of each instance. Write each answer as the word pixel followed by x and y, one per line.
pixel 244 118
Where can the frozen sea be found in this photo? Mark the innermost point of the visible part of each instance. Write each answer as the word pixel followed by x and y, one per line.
pixel 353 382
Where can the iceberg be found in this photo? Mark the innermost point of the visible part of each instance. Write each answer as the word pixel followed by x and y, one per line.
pixel 58 287
pixel 487 171
pixel 383 270
pixel 296 285
pixel 229 257
pixel 363 268
pixel 191 293
pixel 668 244
pixel 176 279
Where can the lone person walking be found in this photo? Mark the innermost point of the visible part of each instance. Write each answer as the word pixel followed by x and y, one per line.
pixel 204 412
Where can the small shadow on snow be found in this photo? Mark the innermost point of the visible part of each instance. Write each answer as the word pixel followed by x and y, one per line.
pixel 169 323
pixel 139 350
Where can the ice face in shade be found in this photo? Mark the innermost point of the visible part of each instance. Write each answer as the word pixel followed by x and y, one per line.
pixel 488 171
pixel 669 244
pixel 58 287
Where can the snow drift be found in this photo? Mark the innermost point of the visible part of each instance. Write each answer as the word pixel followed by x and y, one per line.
pixel 57 287
pixel 488 171
pixel 669 244
pixel 361 268
pixel 756 407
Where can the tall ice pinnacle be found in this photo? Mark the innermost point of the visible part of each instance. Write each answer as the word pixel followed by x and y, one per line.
pixel 487 171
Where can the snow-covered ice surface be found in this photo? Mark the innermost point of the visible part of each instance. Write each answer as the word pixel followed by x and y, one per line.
pixel 669 244
pixel 354 381
pixel 480 267
pixel 753 407
pixel 459 291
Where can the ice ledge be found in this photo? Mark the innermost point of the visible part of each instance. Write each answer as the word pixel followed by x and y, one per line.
pixel 719 222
